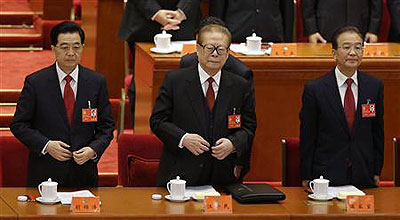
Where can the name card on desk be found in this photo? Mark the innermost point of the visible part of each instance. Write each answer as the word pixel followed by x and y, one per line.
pixel 360 204
pixel 376 50
pixel 85 204
pixel 218 204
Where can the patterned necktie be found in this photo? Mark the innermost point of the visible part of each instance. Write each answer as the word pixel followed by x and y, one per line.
pixel 210 95
pixel 349 104
pixel 69 98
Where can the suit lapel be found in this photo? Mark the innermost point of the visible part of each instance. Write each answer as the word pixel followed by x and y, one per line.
pixel 362 96
pixel 196 96
pixel 223 99
pixel 55 93
pixel 333 97
pixel 81 96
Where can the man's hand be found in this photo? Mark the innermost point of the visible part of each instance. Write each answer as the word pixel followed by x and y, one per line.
pixel 315 38
pixel 376 179
pixel 237 170
pixel 57 150
pixel 167 19
pixel 195 144
pixel 222 148
pixel 305 183
pixel 83 155
pixel 371 38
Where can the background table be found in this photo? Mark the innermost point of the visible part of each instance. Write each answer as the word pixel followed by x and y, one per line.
pixel 279 82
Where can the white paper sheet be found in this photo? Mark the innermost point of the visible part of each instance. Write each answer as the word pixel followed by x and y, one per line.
pixel 206 190
pixel 66 197
pixel 334 190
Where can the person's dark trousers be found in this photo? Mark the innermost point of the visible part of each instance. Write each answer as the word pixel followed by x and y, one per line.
pixel 132 87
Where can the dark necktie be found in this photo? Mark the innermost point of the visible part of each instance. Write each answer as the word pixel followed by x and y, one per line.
pixel 349 104
pixel 69 98
pixel 210 95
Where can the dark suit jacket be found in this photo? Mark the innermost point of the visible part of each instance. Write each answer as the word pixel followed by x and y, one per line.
pixel 181 108
pixel 394 9
pixel 136 24
pixel 325 16
pixel 327 147
pixel 234 66
pixel 270 19
pixel 41 116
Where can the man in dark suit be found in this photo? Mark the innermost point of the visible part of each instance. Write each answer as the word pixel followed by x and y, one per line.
pixel 270 19
pixel 63 115
pixel 394 9
pixel 341 131
pixel 204 116
pixel 145 18
pixel 322 17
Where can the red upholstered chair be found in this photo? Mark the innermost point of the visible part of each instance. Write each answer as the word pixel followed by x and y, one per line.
pixel 138 159
pixel 13 162
pixel 396 160
pixel 290 162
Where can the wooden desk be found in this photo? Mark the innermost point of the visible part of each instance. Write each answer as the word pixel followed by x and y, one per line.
pixel 279 82
pixel 6 213
pixel 136 203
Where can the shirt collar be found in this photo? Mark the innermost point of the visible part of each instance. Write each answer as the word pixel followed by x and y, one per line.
pixel 341 78
pixel 61 74
pixel 204 76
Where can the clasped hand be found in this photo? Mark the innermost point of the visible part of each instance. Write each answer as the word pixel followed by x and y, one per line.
pixel 169 19
pixel 59 151
pixel 197 145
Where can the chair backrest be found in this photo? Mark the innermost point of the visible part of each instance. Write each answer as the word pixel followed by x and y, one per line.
pixel 138 159
pixel 13 162
pixel 290 162
pixel 396 161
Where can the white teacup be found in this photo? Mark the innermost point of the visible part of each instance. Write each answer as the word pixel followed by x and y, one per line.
pixel 163 41
pixel 176 188
pixel 48 190
pixel 320 187
pixel 253 43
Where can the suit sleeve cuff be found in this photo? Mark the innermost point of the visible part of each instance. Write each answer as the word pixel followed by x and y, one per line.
pixel 180 145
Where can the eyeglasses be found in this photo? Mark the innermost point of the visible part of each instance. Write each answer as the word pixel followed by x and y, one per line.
pixel 209 48
pixel 65 47
pixel 358 48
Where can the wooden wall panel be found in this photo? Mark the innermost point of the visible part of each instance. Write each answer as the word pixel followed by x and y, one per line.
pixel 57 10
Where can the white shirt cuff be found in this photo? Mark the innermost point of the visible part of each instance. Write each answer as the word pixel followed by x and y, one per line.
pixel 44 150
pixel 180 142
pixel 155 15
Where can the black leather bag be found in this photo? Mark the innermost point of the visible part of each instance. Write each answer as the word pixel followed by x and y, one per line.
pixel 254 193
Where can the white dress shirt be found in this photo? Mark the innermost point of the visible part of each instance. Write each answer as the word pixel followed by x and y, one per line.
pixel 341 82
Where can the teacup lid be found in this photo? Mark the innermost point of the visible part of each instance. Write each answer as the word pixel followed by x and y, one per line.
pixel 164 34
pixel 49 183
pixel 178 180
pixel 321 180
pixel 254 37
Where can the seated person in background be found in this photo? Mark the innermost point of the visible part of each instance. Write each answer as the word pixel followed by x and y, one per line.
pixel 341 120
pixel 191 115
pixel 394 9
pixel 62 144
pixel 232 65
pixel 145 18
pixel 322 17
pixel 270 19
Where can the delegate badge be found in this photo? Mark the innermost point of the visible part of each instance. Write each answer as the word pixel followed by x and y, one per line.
pixel 368 110
pixel 89 115
pixel 234 121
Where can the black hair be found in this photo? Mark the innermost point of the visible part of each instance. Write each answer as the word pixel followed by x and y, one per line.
pixel 342 30
pixel 66 27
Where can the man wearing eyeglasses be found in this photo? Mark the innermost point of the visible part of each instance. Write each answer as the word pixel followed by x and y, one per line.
pixel 205 116
pixel 341 129
pixel 63 115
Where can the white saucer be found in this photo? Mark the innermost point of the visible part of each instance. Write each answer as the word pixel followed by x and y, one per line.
pixel 327 198
pixel 39 199
pixel 253 53
pixel 186 198
pixel 162 51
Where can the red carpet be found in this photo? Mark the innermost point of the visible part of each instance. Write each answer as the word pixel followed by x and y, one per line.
pixel 14 66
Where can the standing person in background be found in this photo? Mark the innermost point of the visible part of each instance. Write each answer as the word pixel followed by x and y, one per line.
pixel 322 17
pixel 394 9
pixel 270 19
pixel 145 18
